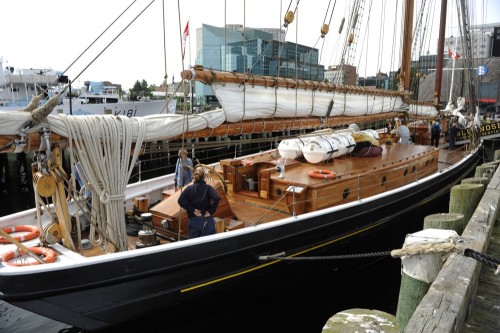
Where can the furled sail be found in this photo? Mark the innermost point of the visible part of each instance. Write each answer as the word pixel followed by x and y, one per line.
pixel 246 96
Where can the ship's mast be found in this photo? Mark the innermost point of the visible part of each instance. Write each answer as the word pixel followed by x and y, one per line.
pixel 407 42
pixel 440 54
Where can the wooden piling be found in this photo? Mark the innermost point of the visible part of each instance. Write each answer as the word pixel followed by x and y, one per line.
pixel 496 157
pixel 484 170
pixel 361 320
pixel 477 180
pixel 445 221
pixel 464 199
pixel 494 164
pixel 420 268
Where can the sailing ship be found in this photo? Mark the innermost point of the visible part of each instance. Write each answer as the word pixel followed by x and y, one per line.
pixel 327 192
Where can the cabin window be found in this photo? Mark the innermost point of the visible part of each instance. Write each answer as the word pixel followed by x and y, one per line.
pixel 346 193
pixel 414 170
pixel 279 191
pixel 405 173
pixel 427 163
pixel 384 180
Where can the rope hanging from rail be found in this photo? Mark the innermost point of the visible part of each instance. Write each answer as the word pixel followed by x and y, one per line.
pixel 110 177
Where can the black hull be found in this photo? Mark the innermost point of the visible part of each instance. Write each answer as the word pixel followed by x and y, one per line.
pixel 111 293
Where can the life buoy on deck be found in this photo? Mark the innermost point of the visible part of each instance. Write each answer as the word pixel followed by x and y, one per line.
pixel 32 230
pixel 322 174
pixel 49 256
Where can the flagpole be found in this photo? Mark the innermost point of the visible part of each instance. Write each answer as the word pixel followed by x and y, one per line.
pixel 452 79
pixel 190 81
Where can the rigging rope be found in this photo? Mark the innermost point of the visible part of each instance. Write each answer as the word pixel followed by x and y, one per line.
pixel 95 40
pixel 109 44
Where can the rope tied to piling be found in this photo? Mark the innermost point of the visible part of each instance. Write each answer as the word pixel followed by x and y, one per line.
pixel 444 247
pixel 423 249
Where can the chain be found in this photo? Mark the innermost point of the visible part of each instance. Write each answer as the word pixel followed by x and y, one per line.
pixel 281 256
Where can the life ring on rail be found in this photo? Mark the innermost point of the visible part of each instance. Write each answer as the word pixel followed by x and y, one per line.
pixel 49 256
pixel 322 174
pixel 32 230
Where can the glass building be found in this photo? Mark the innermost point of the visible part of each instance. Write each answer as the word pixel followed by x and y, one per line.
pixel 258 51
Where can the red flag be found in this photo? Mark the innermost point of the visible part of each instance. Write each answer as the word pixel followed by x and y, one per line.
pixel 186 31
pixel 453 55
pixel 185 34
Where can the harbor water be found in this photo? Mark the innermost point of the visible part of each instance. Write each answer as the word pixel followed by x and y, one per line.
pixel 302 303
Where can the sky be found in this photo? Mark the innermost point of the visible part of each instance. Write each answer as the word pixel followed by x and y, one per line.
pixel 54 34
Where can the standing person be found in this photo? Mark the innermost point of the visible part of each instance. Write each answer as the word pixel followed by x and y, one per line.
pixel 183 169
pixel 200 200
pixel 403 133
pixel 452 135
pixel 435 133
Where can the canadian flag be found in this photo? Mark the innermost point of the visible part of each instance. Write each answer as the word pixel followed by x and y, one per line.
pixel 453 55
pixel 185 35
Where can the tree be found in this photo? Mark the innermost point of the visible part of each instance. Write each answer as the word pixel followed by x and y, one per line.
pixel 140 91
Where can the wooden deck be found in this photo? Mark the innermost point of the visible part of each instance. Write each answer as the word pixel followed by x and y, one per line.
pixel 242 207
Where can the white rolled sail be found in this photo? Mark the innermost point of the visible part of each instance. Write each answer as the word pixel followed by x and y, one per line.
pixel 292 148
pixel 327 147
pixel 265 102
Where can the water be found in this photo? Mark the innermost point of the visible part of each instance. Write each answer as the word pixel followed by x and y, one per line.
pixel 301 304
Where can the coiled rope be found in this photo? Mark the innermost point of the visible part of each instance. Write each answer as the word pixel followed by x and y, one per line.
pixel 102 146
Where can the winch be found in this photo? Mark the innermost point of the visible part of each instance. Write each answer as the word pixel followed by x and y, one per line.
pixel 147 236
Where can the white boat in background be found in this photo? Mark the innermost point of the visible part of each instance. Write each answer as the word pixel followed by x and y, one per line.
pixel 19 86
pixel 102 98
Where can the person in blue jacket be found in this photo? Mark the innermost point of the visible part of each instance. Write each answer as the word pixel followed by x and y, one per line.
pixel 435 133
pixel 200 200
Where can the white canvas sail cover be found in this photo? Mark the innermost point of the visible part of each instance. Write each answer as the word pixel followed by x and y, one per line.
pixel 246 102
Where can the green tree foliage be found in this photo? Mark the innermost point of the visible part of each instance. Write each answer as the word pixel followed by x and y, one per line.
pixel 141 90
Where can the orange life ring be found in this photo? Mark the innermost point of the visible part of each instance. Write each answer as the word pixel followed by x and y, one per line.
pixel 322 174
pixel 49 256
pixel 32 230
